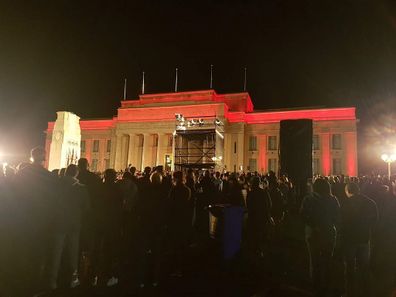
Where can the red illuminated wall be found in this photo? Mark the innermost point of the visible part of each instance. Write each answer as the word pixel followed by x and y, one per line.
pixel 323 114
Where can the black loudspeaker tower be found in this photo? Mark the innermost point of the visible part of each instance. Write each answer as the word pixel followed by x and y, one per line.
pixel 296 149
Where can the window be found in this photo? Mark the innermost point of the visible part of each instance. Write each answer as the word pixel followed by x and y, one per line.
pixel 316 166
pixel 94 165
pixel 170 140
pixel 107 163
pixel 235 148
pixel 272 143
pixel 315 142
pixel 252 143
pixel 336 141
pixel 155 140
pixel 272 165
pixel 252 165
pixel 82 145
pixel 108 146
pixel 337 167
pixel 95 148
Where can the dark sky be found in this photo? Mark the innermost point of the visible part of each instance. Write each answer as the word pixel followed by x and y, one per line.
pixel 74 55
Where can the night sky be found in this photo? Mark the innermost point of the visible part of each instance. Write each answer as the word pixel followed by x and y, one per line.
pixel 74 55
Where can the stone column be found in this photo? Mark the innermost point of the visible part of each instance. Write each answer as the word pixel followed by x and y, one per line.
pixel 101 154
pixel 118 153
pixel 145 151
pixel 326 155
pixel 262 140
pixel 124 151
pixel 228 150
pixel 160 150
pixel 350 158
pixel 132 150
pixel 173 152
pixel 241 151
pixel 113 150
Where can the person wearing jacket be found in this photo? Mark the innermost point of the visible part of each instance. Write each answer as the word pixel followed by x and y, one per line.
pixel 359 216
pixel 320 212
pixel 73 202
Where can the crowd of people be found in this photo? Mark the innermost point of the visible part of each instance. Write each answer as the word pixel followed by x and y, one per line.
pixel 71 227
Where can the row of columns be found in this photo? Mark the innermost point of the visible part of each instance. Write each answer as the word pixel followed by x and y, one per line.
pixel 139 150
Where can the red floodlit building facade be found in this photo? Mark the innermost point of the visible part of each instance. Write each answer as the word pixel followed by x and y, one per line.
pixel 206 129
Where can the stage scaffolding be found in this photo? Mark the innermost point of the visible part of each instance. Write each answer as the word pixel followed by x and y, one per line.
pixel 198 143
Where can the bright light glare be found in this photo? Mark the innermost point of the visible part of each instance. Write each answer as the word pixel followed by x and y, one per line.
pixel 388 158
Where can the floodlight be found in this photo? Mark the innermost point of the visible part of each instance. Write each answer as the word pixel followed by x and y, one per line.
pixel 217 122
pixel 384 157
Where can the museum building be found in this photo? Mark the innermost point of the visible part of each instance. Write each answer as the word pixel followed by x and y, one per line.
pixel 199 129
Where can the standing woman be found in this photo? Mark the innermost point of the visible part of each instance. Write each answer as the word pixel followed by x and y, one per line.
pixel 180 218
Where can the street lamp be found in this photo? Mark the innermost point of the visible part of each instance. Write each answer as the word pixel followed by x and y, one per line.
pixel 389 159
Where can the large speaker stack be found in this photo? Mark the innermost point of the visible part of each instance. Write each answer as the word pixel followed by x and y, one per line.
pixel 296 150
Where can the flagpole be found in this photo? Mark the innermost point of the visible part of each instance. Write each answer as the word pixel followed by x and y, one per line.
pixel 211 77
pixel 245 80
pixel 143 83
pixel 125 89
pixel 176 78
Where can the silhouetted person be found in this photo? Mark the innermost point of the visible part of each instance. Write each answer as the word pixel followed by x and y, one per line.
pixel 259 210
pixel 9 232
pixel 112 228
pixel 321 214
pixel 277 198
pixel 129 192
pixel 180 217
pixel 132 170
pixel 234 195
pixel 205 196
pixel 73 202
pixel 359 217
pixel 37 204
pixel 383 246
pixel 151 211
pixel 218 182
pixel 92 224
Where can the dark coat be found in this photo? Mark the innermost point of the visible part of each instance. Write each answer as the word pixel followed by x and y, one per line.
pixel 359 218
pixel 321 213
pixel 180 211
pixel 259 208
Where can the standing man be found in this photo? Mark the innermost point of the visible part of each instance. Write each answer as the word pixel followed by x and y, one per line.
pixel 320 212
pixel 72 204
pixel 37 197
pixel 359 217
pixel 180 220
pixel 259 215
pixel 92 222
